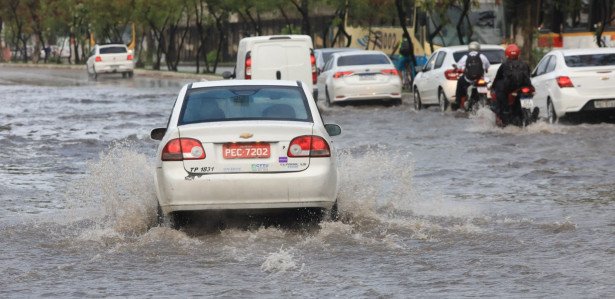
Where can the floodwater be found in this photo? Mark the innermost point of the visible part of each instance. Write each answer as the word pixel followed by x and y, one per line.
pixel 433 205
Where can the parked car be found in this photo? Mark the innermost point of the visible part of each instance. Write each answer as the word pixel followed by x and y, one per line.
pixel 575 82
pixel 245 144
pixel 359 75
pixel 322 56
pixel 110 58
pixel 436 81
pixel 276 57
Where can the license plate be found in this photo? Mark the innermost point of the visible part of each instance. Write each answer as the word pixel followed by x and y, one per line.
pixel 604 104
pixel 367 77
pixel 246 150
pixel 482 89
pixel 527 103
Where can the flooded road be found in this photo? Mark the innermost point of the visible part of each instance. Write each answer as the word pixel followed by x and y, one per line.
pixel 433 204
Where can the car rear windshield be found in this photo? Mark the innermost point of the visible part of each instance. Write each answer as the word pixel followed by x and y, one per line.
pixel 495 56
pixel 590 60
pixel 113 50
pixel 229 103
pixel 362 60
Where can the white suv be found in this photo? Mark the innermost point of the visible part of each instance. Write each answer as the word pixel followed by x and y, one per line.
pixel 111 58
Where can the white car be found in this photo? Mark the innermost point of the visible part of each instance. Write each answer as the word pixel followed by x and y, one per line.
pixel 574 82
pixel 245 144
pixel 436 81
pixel 322 56
pixel 359 75
pixel 111 58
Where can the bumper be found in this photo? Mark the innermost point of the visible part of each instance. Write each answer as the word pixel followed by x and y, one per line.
pixel 367 92
pixel 449 87
pixel 178 191
pixel 105 68
pixel 569 101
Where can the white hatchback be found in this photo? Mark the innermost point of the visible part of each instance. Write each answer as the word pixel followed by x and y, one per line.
pixel 111 58
pixel 245 144
pixel 575 81
pixel 436 82
pixel 359 75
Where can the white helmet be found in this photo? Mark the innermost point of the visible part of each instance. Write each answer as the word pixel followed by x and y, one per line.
pixel 474 46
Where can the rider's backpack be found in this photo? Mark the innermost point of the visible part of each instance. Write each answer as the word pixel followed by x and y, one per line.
pixel 404 48
pixel 474 66
pixel 515 74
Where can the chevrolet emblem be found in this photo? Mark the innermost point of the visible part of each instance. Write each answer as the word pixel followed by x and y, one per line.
pixel 246 135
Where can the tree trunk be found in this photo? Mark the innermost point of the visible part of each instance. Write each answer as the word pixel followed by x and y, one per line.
pixel 401 13
pixel 464 14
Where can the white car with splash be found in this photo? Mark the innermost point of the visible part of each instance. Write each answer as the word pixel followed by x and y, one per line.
pixel 246 144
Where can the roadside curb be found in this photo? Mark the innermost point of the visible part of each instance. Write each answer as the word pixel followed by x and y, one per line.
pixel 139 72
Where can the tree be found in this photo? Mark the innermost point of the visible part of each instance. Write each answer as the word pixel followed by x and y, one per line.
pixel 604 9
pixel 524 31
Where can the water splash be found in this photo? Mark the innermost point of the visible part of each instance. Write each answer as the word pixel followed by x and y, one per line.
pixel 280 261
pixel 117 192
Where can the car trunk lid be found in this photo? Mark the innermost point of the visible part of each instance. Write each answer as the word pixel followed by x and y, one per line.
pixel 246 147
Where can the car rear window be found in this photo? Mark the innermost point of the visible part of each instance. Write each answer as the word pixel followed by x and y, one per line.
pixel 362 60
pixel 229 103
pixel 590 60
pixel 113 50
pixel 495 56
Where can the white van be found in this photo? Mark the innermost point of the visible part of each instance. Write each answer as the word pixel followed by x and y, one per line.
pixel 277 57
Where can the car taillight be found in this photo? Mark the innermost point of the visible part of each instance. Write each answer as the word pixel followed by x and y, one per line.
pixel 98 59
pixel 564 81
pixel 342 74
pixel 183 149
pixel 390 72
pixel 309 146
pixel 129 57
pixel 452 74
pixel 248 72
pixel 313 62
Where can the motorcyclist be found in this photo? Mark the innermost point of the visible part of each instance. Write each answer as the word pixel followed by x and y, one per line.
pixel 512 75
pixel 475 65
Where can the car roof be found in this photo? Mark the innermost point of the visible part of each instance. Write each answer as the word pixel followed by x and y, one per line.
pixel 331 50
pixel 111 45
pixel 584 51
pixel 277 37
pixel 465 48
pixel 361 52
pixel 222 83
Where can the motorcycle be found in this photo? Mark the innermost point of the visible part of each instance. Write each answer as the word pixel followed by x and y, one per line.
pixel 521 107
pixel 477 95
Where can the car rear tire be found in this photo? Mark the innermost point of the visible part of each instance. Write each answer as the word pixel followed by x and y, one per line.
pixel 442 101
pixel 328 99
pixel 551 116
pixel 333 213
pixel 418 105
pixel 131 74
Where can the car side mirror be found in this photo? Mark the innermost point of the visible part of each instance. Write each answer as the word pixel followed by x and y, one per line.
pixel 158 133
pixel 227 75
pixel 333 129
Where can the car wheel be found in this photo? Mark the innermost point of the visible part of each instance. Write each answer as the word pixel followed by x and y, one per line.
pixel 328 99
pixel 442 101
pixel 124 75
pixel 94 75
pixel 551 116
pixel 333 213
pixel 131 74
pixel 418 105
